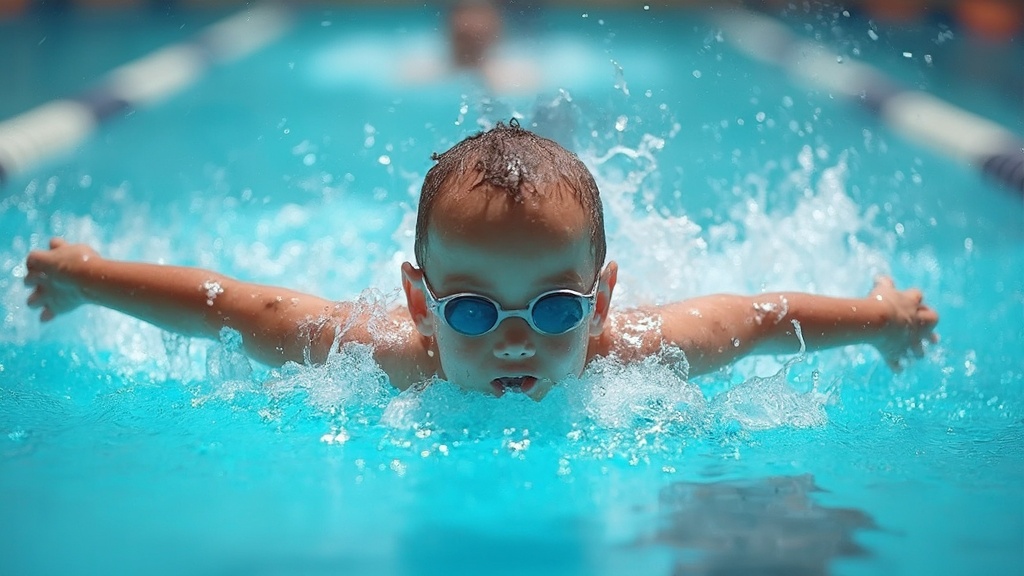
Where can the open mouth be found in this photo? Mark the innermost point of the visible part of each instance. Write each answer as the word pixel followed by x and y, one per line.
pixel 514 383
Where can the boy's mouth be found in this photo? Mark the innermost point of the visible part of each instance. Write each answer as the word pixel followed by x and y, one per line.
pixel 515 383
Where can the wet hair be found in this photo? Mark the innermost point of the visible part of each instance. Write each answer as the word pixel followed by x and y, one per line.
pixel 516 161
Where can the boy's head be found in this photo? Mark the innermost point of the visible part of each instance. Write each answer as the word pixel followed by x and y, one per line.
pixel 508 217
pixel 515 163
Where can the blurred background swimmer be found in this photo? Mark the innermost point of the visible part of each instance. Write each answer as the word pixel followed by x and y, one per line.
pixel 507 50
pixel 475 32
pixel 473 28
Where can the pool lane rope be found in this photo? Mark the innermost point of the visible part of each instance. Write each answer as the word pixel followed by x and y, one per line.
pixel 919 116
pixel 59 125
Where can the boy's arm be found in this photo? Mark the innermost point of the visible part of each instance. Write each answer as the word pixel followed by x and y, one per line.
pixel 716 330
pixel 277 325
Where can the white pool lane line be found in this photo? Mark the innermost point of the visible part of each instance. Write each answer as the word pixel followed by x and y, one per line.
pixel 922 117
pixel 59 125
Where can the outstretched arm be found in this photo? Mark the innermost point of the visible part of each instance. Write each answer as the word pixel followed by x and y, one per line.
pixel 276 324
pixel 716 330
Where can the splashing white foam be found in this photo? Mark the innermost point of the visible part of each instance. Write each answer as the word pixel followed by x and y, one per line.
pixel 805 233
pixel 349 379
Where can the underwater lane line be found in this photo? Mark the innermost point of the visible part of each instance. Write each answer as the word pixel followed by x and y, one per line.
pixel 922 117
pixel 59 125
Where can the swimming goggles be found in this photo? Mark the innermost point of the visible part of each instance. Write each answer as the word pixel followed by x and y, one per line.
pixel 552 313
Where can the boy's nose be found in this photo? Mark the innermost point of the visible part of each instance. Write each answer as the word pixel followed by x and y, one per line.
pixel 514 341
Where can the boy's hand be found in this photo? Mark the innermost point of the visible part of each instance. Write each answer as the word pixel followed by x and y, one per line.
pixel 52 274
pixel 909 322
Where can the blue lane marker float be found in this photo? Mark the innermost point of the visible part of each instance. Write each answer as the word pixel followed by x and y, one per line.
pixel 920 116
pixel 59 125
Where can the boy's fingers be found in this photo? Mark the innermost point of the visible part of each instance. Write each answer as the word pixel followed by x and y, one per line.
pixel 932 314
pixel 56 243
pixel 46 315
pixel 916 295
pixel 883 280
pixel 35 299
pixel 36 261
pixel 918 349
pixel 894 365
pixel 926 316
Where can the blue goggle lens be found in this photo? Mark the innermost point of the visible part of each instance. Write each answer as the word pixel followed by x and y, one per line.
pixel 557 313
pixel 470 315
pixel 552 314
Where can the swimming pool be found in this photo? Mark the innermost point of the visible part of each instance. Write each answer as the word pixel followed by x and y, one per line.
pixel 127 451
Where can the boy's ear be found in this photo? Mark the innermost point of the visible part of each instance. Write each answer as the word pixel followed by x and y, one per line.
pixel 606 285
pixel 416 299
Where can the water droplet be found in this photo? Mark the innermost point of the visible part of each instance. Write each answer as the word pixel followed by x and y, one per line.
pixel 620 78
pixel 696 73
pixel 873 35
pixel 384 160
pixel 398 467
pixel 309 159
pixel 213 289
pixel 908 54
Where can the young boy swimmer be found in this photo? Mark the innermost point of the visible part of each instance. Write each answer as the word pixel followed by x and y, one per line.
pixel 510 290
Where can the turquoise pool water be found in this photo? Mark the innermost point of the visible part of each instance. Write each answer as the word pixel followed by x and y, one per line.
pixel 124 450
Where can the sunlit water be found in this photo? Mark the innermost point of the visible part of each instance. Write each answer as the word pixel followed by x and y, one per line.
pixel 127 450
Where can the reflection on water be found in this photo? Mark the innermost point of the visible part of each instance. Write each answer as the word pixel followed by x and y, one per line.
pixel 762 526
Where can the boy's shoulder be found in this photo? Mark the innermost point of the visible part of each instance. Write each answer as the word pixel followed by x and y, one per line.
pixel 405 355
pixel 629 335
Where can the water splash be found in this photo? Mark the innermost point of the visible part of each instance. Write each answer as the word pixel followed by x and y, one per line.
pixel 633 413
pixel 793 225
pixel 768 403
pixel 229 371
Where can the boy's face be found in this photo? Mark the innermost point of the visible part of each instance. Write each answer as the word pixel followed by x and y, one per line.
pixel 510 251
